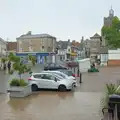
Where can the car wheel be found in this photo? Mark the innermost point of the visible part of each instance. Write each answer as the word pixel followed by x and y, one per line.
pixel 34 87
pixel 62 88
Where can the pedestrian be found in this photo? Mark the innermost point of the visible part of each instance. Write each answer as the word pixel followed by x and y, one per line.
pixel 9 66
pixel 4 67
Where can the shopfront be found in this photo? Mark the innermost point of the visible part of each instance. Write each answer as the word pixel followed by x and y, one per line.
pixel 41 58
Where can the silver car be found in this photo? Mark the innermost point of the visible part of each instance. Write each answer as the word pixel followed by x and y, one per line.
pixel 50 81
pixel 65 76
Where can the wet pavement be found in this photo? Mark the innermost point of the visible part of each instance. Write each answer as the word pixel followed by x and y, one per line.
pixel 83 103
pixel 47 105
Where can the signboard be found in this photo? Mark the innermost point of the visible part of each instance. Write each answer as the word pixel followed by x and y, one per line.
pixel 40 59
pixel 84 65
pixel 33 54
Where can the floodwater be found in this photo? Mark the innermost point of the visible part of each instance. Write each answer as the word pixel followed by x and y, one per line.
pixel 83 103
pixel 47 105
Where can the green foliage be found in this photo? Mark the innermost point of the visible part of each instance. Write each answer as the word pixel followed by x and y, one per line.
pixel 28 69
pixel 14 82
pixel 11 72
pixel 17 65
pixel 32 59
pixel 109 90
pixel 112 33
pixel 23 83
pixel 21 68
pixel 3 60
pixel 17 82
pixel 13 58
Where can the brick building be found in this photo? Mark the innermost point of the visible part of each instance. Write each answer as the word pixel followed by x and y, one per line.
pixel 11 46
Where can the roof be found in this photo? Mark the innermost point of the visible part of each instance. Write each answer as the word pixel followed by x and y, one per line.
pixel 62 44
pixel 2 40
pixel 96 36
pixel 35 36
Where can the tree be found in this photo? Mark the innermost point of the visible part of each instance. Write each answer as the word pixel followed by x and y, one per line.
pixel 18 66
pixel 32 59
pixel 112 33
pixel 13 58
pixel 3 60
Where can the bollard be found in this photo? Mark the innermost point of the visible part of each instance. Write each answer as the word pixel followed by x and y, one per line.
pixel 80 77
pixel 78 73
pixel 74 70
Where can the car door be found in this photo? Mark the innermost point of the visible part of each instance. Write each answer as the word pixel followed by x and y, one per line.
pixel 48 81
pixel 52 66
pixel 39 80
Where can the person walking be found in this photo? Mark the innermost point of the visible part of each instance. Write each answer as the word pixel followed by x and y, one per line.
pixel 4 67
pixel 9 66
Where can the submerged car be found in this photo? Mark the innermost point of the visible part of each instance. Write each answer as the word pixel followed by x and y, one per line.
pixel 50 81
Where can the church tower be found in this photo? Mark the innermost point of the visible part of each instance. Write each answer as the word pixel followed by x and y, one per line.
pixel 108 20
pixel 111 13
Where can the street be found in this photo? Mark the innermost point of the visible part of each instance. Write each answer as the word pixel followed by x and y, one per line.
pixel 83 103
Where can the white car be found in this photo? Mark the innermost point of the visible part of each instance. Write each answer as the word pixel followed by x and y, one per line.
pixel 50 81
pixel 62 75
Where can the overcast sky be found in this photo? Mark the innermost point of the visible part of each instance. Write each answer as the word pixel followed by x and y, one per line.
pixel 64 19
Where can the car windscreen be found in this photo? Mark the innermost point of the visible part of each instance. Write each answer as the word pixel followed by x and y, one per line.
pixel 61 74
pixel 59 77
pixel 67 72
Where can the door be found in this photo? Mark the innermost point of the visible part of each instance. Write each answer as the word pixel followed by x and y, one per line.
pixel 52 66
pixel 38 80
pixel 48 81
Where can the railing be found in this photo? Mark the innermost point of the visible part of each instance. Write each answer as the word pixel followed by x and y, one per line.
pixel 111 113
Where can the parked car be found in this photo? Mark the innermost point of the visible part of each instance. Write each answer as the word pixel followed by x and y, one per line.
pixel 65 76
pixel 50 81
pixel 67 72
pixel 72 64
pixel 54 66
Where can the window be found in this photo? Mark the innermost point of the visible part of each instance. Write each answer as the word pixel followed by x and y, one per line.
pixel 43 48
pixel 57 64
pixel 48 77
pixel 37 76
pixel 62 75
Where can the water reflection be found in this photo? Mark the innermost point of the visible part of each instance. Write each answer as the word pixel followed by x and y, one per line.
pixel 19 104
pixel 65 95
pixel 40 99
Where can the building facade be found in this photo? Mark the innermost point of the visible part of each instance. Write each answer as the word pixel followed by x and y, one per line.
pixel 95 45
pixel 87 45
pixel 43 46
pixel 62 50
pixel 36 43
pixel 3 48
pixel 68 50
pixel 12 47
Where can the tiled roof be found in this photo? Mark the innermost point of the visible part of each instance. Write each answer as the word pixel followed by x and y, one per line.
pixel 35 36
pixel 96 36
pixel 62 44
